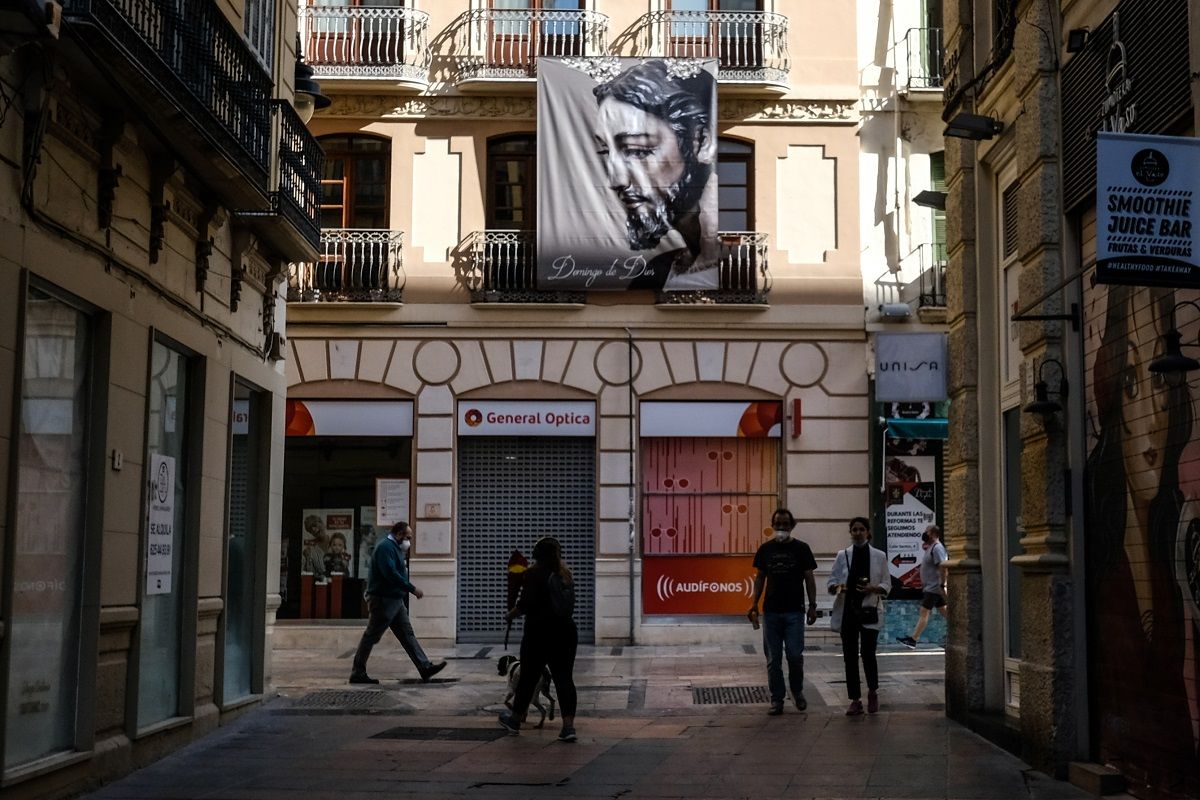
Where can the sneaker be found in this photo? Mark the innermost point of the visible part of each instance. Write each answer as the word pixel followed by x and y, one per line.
pixel 872 701
pixel 775 710
pixel 567 734
pixel 433 669
pixel 510 723
pixel 855 708
pixel 362 678
pixel 801 703
pixel 907 641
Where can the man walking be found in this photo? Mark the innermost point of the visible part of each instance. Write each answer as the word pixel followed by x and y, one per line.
pixel 785 565
pixel 933 581
pixel 387 588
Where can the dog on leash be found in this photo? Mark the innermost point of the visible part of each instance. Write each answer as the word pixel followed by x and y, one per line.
pixel 510 667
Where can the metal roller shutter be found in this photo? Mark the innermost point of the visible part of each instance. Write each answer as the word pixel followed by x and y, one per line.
pixel 512 491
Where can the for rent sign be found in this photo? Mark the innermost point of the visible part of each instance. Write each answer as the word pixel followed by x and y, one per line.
pixel 1147 220
pixel 697 584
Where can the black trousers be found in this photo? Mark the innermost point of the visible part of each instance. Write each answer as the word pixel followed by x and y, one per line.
pixel 852 634
pixel 552 647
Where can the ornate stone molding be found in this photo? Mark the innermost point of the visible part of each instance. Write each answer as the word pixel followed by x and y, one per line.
pixel 524 108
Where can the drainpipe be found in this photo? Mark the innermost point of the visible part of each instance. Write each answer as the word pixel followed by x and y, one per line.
pixel 632 485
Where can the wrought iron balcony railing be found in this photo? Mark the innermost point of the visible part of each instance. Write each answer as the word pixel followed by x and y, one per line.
pixel 356 265
pixel 750 46
pixel 502 268
pixel 929 262
pixel 191 61
pixel 744 275
pixel 297 194
pixel 505 43
pixel 366 42
pixel 923 53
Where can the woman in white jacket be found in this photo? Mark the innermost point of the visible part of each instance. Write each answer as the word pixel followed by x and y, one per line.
pixel 860 580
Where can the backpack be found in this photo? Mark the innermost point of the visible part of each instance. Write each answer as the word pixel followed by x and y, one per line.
pixel 562 596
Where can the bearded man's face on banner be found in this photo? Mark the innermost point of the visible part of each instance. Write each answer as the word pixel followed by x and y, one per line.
pixel 646 168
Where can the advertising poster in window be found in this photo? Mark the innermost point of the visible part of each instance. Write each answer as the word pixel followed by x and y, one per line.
pixel 627 179
pixel 910 505
pixel 160 532
pixel 370 533
pixel 328 542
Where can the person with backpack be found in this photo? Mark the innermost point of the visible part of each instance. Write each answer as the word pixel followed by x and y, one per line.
pixel 547 599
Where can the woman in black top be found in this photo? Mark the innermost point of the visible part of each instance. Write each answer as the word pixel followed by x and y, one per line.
pixel 546 599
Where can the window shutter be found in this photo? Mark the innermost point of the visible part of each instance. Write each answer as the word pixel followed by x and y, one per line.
pixel 1008 218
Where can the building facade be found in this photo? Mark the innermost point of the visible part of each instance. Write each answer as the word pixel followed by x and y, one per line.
pixel 654 432
pixel 156 182
pixel 1071 449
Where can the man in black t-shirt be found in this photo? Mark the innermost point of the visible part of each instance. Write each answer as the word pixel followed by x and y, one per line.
pixel 785 565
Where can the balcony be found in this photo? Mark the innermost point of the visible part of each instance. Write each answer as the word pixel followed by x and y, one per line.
pixel 182 58
pixel 928 289
pixel 366 43
pixel 355 265
pixel 922 54
pixel 502 268
pixel 745 279
pixel 201 88
pixel 500 47
pixel 750 46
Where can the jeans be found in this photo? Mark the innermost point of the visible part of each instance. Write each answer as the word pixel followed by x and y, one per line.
pixel 852 632
pixel 784 632
pixel 384 613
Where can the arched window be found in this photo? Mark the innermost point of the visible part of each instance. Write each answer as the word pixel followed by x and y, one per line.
pixel 355 184
pixel 735 174
pixel 512 182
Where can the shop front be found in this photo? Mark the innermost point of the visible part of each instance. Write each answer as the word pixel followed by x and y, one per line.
pixel 710 480
pixel 526 469
pixel 348 472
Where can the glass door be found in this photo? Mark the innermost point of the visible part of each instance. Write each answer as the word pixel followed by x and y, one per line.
pixel 160 635
pixel 44 617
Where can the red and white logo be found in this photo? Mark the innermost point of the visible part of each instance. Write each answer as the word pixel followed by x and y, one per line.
pixel 668 587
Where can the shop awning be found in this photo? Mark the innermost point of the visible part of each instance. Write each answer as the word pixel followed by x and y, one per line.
pixel 918 428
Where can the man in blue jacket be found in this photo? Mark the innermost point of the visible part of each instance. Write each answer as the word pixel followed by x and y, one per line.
pixel 387 590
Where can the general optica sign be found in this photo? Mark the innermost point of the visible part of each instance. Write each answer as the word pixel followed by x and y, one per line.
pixel 1147 220
pixel 697 584
pixel 527 418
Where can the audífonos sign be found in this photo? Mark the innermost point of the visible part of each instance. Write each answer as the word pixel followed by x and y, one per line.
pixel 1147 219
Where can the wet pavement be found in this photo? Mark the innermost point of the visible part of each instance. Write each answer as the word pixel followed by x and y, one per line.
pixel 646 730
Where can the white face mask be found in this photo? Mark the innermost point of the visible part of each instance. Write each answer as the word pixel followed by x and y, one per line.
pixel 782 534
pixel 404 545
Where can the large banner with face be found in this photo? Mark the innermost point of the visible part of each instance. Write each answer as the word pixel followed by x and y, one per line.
pixel 627 179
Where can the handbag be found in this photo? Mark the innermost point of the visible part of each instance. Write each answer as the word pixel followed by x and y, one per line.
pixel 868 615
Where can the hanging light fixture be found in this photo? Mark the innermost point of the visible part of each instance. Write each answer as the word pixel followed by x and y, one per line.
pixel 308 97
pixel 1173 359
pixel 1042 404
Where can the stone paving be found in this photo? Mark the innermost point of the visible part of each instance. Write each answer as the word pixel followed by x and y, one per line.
pixel 640 735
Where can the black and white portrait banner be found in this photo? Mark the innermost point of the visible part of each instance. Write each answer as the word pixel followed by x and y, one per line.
pixel 627 179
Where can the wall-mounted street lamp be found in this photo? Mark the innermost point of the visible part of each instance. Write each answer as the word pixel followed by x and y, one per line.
pixel 1173 360
pixel 931 199
pixel 1077 39
pixel 1042 404
pixel 308 97
pixel 973 126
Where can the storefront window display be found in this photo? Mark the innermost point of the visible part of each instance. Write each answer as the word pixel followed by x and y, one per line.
pixel 338 455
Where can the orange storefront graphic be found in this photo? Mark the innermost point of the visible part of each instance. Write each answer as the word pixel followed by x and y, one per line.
pixel 697 584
